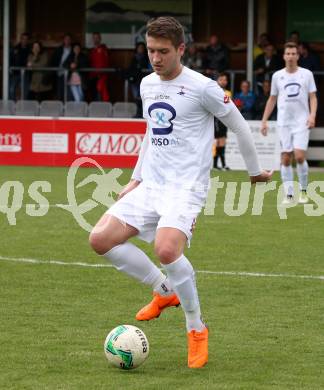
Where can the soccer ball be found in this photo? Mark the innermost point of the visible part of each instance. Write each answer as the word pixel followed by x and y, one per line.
pixel 126 347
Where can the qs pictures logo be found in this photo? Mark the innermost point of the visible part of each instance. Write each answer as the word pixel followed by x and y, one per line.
pixel 106 186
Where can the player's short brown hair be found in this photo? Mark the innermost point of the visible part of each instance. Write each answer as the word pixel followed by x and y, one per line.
pixel 290 45
pixel 166 27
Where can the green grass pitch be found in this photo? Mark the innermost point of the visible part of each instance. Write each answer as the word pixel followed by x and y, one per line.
pixel 266 332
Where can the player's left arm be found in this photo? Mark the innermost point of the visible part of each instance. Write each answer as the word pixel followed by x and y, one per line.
pixel 224 109
pixel 313 108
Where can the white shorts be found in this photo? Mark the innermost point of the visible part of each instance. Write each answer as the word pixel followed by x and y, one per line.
pixel 293 138
pixel 149 209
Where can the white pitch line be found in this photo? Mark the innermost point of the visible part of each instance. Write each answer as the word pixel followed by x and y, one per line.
pixel 221 273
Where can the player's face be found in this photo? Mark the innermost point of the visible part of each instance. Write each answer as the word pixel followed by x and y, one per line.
pixel 291 56
pixel 164 57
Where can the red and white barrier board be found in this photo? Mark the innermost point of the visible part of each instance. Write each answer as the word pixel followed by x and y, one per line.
pixel 112 143
pixel 59 141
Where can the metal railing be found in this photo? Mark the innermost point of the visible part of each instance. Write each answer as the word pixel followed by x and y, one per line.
pixel 65 72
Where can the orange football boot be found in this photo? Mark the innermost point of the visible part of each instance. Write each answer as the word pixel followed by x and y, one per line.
pixel 156 306
pixel 197 348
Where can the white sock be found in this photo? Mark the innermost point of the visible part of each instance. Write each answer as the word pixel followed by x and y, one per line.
pixel 302 172
pixel 287 177
pixel 134 262
pixel 182 278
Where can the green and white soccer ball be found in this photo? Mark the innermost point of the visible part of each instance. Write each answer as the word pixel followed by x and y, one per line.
pixel 126 347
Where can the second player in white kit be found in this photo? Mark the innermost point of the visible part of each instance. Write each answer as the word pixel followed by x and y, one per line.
pixel 293 89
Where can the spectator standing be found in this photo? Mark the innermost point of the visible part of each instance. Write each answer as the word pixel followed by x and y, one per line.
pixel 294 36
pixel 99 58
pixel 192 58
pixel 39 84
pixel 261 101
pixel 220 130
pixel 76 79
pixel 265 64
pixel 136 72
pixel 18 57
pixel 245 100
pixel 59 59
pixel 216 57
pixel 263 40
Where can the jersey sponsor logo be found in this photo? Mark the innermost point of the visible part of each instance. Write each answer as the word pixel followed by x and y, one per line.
pixel 163 114
pixel 292 89
pixel 161 141
pixel 226 99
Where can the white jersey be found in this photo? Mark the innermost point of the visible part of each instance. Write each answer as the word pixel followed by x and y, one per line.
pixel 292 90
pixel 180 117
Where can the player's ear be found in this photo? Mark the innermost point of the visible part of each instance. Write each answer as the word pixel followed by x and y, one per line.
pixel 181 49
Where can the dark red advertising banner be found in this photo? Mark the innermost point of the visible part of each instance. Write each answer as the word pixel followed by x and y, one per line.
pixel 58 142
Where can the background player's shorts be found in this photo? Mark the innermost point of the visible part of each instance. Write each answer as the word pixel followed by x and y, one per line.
pixel 148 209
pixel 220 129
pixel 293 138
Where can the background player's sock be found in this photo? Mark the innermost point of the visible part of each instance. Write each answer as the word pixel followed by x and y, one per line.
pixel 287 177
pixel 302 173
pixel 216 157
pixel 182 278
pixel 134 262
pixel 222 155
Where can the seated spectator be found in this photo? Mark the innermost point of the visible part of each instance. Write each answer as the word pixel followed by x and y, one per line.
pixel 263 40
pixel 59 60
pixel 192 58
pixel 245 99
pixel 98 58
pixel 216 57
pixel 265 64
pixel 18 57
pixel 261 100
pixel 307 58
pixel 76 80
pixel 39 83
pixel 136 72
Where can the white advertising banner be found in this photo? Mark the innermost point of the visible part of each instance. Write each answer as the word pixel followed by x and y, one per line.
pixel 268 148
pixel 50 143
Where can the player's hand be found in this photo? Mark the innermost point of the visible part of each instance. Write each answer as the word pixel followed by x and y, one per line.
pixel 311 122
pixel 264 176
pixel 264 128
pixel 129 187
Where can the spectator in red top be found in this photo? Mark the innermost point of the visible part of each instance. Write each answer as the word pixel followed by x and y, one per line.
pixel 99 59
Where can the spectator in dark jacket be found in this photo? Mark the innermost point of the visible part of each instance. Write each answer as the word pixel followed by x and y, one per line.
pixel 307 58
pixel 40 86
pixel 216 57
pixel 136 72
pixel 18 57
pixel 59 59
pixel 76 80
pixel 261 101
pixel 265 64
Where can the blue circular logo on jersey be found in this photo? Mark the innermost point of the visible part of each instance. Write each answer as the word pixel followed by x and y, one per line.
pixel 163 114
pixel 292 89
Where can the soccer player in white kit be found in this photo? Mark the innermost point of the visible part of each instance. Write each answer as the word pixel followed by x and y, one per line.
pixel 294 90
pixel 170 181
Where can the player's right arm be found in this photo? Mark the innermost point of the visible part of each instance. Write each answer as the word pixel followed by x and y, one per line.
pixel 271 102
pixel 137 172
